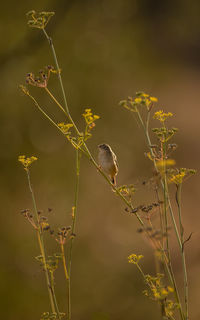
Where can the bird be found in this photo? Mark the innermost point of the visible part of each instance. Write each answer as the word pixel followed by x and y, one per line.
pixel 108 161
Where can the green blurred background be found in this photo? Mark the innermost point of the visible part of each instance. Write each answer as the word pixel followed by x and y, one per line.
pixel 107 50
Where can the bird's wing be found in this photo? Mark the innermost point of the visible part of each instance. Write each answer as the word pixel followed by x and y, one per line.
pixel 115 160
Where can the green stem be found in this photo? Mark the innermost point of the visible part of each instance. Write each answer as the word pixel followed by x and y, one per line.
pixel 67 113
pixel 165 193
pixel 58 68
pixel 161 217
pixel 52 297
pixel 142 273
pixel 74 217
pixel 178 201
pixel 167 200
pixel 64 261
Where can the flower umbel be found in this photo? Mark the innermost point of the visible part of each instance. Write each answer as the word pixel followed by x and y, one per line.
pixel 38 20
pixel 177 176
pixel 26 161
pixel 141 99
pixel 162 116
pixel 90 119
pixel 134 258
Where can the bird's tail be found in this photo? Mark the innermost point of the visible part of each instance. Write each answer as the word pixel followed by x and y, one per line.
pixel 113 179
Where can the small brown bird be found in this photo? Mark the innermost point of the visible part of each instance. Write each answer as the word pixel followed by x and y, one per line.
pixel 108 161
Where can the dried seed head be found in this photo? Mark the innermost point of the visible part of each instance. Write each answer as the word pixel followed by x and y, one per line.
pixel 42 218
pixel 73 235
pixel 24 211
pixel 155 204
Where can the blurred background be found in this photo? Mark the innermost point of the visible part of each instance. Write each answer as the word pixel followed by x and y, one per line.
pixel 107 50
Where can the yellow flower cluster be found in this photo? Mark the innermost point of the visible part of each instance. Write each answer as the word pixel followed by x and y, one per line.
pixel 178 178
pixel 90 118
pixel 142 99
pixel 157 290
pixel 162 293
pixel 134 258
pixel 162 116
pixel 26 162
pixel 65 127
pixel 178 175
pixel 145 99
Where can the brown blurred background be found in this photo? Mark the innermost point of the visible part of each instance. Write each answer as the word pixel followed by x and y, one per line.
pixel 107 50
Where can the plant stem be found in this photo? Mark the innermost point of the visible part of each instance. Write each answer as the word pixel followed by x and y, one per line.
pixel 58 68
pixel 166 200
pixel 165 192
pixel 74 217
pixel 67 113
pixel 52 296
pixel 178 201
pixel 64 261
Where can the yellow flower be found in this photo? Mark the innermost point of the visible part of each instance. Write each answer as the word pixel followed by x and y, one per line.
pixel 90 117
pixel 165 163
pixel 162 116
pixel 65 127
pixel 153 99
pixel 138 100
pixel 134 258
pixel 26 162
pixel 178 178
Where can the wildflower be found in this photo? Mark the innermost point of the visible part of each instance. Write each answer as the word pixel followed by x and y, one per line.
pixel 134 258
pixel 145 99
pixel 142 99
pixel 64 127
pixel 178 175
pixel 162 116
pixel 138 100
pixel 90 118
pixel 178 178
pixel 26 162
pixel 165 163
pixel 153 99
